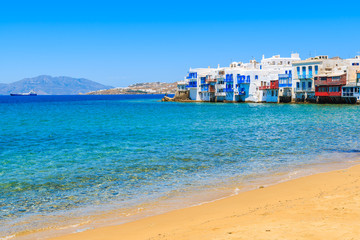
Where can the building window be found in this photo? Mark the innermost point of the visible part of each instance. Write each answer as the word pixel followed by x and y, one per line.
pixel 256 77
pixel 316 69
pixel 309 84
pixel 297 85
pixel 298 70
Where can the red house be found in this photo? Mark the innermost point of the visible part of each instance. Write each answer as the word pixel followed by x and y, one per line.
pixel 328 88
pixel 271 92
pixel 274 84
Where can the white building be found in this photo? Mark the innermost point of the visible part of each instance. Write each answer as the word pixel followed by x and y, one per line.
pixel 351 91
pixel 240 82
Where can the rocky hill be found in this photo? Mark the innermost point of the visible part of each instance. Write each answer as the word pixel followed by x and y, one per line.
pixel 140 88
pixel 48 85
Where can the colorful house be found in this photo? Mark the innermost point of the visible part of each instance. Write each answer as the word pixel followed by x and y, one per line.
pixel 351 92
pixel 328 88
pixel 285 87
pixel 270 92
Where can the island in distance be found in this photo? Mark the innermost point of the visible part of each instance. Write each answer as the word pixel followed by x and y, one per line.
pixel 140 88
pixel 48 85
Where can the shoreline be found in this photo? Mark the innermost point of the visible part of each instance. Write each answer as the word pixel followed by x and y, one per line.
pixel 322 201
pixel 117 218
pixel 237 102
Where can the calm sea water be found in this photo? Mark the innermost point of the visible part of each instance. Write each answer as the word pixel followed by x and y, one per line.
pixel 62 156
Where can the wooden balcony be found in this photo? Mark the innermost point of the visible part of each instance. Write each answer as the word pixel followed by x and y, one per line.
pixel 330 80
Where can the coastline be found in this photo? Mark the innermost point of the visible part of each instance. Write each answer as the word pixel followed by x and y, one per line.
pixel 272 152
pixel 322 201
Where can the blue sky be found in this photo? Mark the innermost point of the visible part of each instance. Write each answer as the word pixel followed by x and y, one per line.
pixel 119 43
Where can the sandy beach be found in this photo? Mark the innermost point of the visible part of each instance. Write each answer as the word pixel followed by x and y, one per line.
pixel 320 206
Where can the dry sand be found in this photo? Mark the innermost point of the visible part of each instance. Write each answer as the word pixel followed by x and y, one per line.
pixel 321 206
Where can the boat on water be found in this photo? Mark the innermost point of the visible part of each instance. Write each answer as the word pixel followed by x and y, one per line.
pixel 31 93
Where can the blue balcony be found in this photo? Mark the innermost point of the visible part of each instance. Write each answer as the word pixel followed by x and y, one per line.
pixel 192 84
pixel 285 84
pixel 305 76
pixel 285 80
pixel 246 81
pixel 285 76
pixel 229 78
pixel 243 79
pixel 192 75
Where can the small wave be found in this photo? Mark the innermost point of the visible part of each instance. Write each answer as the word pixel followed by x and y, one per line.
pixel 236 191
pixel 343 150
pixel 8 237
pixel 83 230
pixel 73 226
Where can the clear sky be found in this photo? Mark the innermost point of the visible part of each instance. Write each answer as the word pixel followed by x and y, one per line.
pixel 119 43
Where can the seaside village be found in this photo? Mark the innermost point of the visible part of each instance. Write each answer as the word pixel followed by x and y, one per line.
pixel 276 80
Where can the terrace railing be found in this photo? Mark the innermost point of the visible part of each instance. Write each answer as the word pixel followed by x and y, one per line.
pixel 305 76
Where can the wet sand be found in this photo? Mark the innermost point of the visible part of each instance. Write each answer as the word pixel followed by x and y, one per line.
pixel 320 206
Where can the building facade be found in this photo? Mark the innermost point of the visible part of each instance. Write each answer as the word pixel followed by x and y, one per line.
pixel 277 79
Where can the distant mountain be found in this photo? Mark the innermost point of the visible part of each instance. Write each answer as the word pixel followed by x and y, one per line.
pixel 48 85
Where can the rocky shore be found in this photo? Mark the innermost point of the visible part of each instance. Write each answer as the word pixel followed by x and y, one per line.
pixel 180 96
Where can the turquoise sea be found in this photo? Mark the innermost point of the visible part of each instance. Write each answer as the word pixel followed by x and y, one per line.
pixel 65 158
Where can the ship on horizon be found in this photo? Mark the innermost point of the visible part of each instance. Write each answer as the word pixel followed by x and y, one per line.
pixel 31 93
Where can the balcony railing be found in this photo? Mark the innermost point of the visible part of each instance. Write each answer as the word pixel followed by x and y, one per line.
pixel 304 89
pixel 305 76
pixel 348 94
pixel 285 84
pixel 268 87
pixel 247 81
pixel 192 75
pixel 330 81
pixel 284 75
pixel 210 80
pixel 192 85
